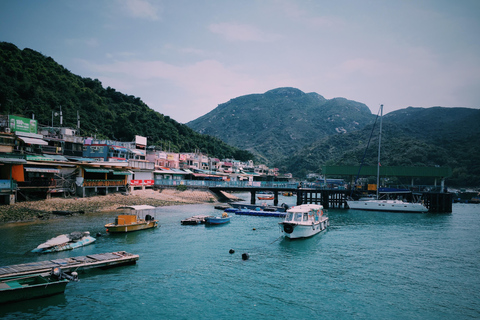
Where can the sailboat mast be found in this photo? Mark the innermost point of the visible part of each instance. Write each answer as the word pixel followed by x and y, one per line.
pixel 379 147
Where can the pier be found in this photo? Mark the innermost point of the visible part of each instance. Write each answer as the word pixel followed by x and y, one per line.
pixel 436 202
pixel 101 260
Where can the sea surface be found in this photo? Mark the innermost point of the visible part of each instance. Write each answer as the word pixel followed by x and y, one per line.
pixel 367 265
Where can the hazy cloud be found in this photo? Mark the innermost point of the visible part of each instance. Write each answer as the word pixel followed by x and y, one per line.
pixel 142 9
pixel 242 32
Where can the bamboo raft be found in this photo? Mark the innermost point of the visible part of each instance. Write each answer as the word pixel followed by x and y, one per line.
pixel 101 260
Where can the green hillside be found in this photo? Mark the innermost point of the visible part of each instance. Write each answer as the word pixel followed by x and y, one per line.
pixel 33 83
pixel 411 137
pixel 280 122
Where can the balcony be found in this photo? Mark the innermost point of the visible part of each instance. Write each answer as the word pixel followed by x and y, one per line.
pixel 104 183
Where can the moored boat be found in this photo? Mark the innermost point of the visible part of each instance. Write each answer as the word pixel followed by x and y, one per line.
pixel 33 286
pixel 264 207
pixel 265 197
pixel 387 205
pixel 210 220
pixel 141 218
pixel 304 221
pixel 262 213
pixel 199 219
pixel 65 242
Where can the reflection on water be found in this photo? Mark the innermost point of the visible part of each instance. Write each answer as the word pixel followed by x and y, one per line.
pixel 366 265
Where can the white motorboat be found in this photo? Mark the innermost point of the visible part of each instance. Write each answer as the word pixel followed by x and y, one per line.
pixel 66 242
pixel 304 221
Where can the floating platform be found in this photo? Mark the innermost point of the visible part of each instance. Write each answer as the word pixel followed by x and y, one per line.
pixel 101 260
pixel 200 219
pixel 247 212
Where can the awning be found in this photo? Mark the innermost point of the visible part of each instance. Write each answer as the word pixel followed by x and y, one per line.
pixel 13 160
pixel 122 149
pixel 137 208
pixel 47 170
pixel 98 170
pixel 56 157
pixel 120 173
pixel 136 151
pixel 80 159
pixel 34 141
pixel 38 158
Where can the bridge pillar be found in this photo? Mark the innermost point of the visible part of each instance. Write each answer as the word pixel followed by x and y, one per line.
pixel 275 198
pixel 299 197
pixel 252 197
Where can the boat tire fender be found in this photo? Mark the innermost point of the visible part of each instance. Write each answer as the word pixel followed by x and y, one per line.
pixel 288 228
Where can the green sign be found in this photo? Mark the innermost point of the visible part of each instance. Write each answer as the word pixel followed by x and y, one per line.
pixel 22 124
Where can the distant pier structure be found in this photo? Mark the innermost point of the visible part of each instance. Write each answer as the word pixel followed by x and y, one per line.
pixel 436 202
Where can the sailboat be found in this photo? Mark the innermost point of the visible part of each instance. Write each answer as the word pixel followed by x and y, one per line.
pixel 378 204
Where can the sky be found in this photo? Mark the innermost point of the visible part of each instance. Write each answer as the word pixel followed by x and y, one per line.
pixel 185 57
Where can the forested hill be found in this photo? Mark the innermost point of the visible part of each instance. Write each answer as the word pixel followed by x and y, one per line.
pixel 418 137
pixel 279 122
pixel 33 83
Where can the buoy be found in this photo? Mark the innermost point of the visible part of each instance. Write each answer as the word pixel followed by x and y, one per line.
pixel 254 229
pixel 245 256
pixel 231 251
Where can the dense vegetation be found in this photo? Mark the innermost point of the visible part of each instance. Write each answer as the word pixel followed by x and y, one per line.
pixel 299 133
pixel 280 122
pixel 295 131
pixel 32 83
pixel 414 137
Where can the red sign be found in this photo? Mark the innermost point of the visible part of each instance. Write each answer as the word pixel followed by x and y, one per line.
pixel 149 182
pixel 135 182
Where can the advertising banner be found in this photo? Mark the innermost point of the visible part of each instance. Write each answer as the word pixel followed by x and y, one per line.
pixel 22 124
pixel 136 182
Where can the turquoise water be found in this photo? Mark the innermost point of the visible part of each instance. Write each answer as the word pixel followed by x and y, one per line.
pixel 368 265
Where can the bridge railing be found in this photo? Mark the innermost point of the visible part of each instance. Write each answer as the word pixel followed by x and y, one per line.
pixel 229 184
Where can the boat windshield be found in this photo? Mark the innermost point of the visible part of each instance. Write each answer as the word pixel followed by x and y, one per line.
pixel 289 216
pixel 298 216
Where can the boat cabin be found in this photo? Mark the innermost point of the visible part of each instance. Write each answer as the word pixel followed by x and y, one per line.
pixel 304 214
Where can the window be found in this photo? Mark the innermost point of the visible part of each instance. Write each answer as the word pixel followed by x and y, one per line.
pixel 289 216
pixel 298 216
pixel 305 216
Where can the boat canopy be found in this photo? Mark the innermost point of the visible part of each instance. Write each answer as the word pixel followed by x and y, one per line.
pixel 305 208
pixel 139 207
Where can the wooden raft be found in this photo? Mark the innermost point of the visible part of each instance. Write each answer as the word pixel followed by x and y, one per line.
pixel 101 260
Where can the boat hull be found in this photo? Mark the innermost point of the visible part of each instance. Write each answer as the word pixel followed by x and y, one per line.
pixel 254 207
pixel 26 288
pixel 67 246
pixel 387 206
pixel 247 212
pixel 298 231
pixel 265 198
pixel 113 228
pixel 216 220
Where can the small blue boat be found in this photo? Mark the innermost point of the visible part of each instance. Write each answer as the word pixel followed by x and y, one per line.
pixel 248 212
pixel 225 218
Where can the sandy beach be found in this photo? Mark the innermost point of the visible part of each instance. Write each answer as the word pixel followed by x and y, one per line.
pixel 31 210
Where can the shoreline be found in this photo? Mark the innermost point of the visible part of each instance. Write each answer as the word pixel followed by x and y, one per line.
pixel 42 209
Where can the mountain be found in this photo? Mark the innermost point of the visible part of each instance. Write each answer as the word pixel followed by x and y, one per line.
pixel 31 83
pixel 410 137
pixel 280 122
pixel 300 132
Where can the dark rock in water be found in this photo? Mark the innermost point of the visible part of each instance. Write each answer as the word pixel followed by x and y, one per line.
pixel 99 234
pixel 245 256
pixel 231 251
